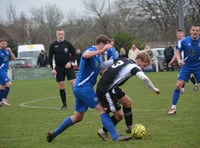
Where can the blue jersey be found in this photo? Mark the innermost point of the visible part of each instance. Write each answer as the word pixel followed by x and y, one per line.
pixel 111 53
pixel 191 50
pixel 4 59
pixel 89 69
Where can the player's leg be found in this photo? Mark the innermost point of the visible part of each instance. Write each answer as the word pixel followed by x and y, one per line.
pixel 184 75
pixel 67 122
pixel 62 92
pixel 127 109
pixel 1 95
pixel 108 124
pixel 6 92
pixel 197 77
pixel 80 109
pixel 194 82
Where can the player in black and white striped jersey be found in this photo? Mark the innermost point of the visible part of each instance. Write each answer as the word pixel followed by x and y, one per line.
pixel 111 95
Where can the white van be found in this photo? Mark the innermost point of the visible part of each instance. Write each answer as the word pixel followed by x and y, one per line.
pixel 30 51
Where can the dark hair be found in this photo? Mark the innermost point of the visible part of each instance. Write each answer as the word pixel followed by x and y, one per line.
pixel 102 39
pixel 3 40
pixel 60 29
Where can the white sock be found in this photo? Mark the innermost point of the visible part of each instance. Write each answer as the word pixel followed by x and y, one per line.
pixel 174 106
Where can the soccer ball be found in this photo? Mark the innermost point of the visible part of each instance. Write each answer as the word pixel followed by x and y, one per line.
pixel 138 131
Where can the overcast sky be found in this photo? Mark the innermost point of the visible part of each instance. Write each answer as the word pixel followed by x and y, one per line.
pixel 26 5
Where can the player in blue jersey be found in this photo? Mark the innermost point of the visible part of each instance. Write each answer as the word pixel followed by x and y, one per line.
pixel 190 64
pixel 111 53
pixel 6 55
pixel 85 95
pixel 180 37
pixel 111 95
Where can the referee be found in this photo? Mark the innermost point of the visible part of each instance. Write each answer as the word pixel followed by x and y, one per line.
pixel 62 51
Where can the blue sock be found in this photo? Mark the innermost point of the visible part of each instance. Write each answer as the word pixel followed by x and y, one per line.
pixel 6 91
pixel 175 96
pixel 1 94
pixel 108 124
pixel 64 125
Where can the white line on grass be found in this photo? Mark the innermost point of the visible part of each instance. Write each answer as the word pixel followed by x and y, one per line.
pixel 26 104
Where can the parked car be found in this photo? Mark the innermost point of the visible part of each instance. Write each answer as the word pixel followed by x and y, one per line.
pixel 21 63
pixel 158 61
pixel 158 58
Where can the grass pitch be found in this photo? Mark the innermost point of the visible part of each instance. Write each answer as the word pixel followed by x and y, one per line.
pixel 35 111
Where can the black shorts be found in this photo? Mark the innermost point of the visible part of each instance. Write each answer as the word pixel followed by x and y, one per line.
pixel 63 72
pixel 110 100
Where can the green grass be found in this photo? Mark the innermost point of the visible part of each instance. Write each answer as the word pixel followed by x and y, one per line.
pixel 26 127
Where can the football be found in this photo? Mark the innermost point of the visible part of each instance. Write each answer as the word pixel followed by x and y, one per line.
pixel 138 131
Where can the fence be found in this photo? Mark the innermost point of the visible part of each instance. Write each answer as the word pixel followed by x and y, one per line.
pixel 30 73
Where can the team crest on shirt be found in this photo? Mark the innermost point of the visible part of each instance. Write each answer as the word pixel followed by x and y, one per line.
pixel 66 50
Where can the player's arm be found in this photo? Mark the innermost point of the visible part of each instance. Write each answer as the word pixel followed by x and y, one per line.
pixel 172 60
pixel 11 54
pixel 88 54
pixel 147 81
pixel 51 57
pixel 178 57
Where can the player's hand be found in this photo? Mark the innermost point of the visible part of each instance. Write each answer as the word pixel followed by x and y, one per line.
pixel 170 65
pixel 157 91
pixel 107 46
pixel 53 72
pixel 181 63
pixel 68 65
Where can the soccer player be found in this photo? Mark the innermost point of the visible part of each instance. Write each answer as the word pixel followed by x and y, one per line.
pixel 111 95
pixel 180 37
pixel 6 55
pixel 190 64
pixel 63 52
pixel 89 68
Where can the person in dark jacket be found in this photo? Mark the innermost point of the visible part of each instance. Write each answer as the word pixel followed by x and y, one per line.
pixel 169 53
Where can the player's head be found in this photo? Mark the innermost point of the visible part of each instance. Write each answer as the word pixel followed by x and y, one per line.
pixel 195 31
pixel 3 43
pixel 60 34
pixel 143 59
pixel 179 34
pixel 102 39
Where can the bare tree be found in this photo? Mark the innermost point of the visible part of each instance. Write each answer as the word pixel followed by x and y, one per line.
pixel 100 11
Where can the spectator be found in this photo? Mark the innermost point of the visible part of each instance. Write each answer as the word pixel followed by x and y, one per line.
pixel 133 52
pixel 147 49
pixel 169 53
pixel 43 59
pixel 122 52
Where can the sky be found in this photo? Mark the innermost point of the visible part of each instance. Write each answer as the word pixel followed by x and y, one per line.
pixel 75 6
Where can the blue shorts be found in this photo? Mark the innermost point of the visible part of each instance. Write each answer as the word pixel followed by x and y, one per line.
pixel 185 71
pixel 85 97
pixel 4 77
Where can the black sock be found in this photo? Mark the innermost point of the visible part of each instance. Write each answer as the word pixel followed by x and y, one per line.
pixel 128 116
pixel 193 80
pixel 114 120
pixel 63 96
